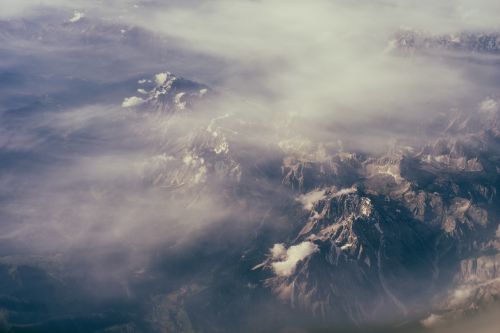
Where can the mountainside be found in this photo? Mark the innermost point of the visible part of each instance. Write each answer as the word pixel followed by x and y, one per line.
pixel 372 239
pixel 398 230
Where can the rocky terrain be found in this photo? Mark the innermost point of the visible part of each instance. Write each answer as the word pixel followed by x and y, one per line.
pixel 376 239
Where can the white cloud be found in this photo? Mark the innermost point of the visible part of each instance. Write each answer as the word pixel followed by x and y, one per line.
pixel 278 251
pixel 132 101
pixel 160 78
pixel 308 200
pixel 489 105
pixel 324 61
pixel 432 321
pixel 77 16
pixel 98 198
pixel 293 255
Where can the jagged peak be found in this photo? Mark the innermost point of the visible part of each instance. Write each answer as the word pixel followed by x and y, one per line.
pixel 411 40
pixel 165 92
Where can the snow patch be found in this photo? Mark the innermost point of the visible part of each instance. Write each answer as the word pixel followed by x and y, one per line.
pixel 181 105
pixel 346 246
pixel 366 207
pixel 222 147
pixel 191 159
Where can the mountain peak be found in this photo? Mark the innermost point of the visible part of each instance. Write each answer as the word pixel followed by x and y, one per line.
pixel 167 93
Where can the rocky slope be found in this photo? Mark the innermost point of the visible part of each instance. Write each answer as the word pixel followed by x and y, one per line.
pixel 372 238
pixel 386 233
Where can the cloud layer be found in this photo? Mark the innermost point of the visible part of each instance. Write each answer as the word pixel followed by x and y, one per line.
pixel 82 166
